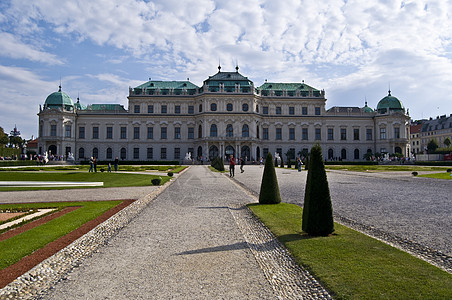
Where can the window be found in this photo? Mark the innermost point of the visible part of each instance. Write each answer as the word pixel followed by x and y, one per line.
pixel 356 134
pixel 150 153
pixel 291 110
pixel 95 132
pixel 291 133
pixel 330 154
pixel 136 153
pixel 53 130
pixel 199 132
pixel 343 154
pixel 369 134
pixel 109 153
pixel 150 133
pixel 343 134
pixel 81 153
pixel 245 131
pixel 265 110
pixel 213 130
pixel 279 133
pixel 396 132
pixel 81 132
pixel 164 109
pixel 304 110
pixel 163 133
pixel 177 109
pixel 95 152
pixel 123 133
pixel 177 133
pixel 150 109
pixel 245 107
pixel 229 131
pixel 200 107
pixel 136 133
pixel 136 109
pixel 213 107
pixel 330 134
pixel 257 108
pixel 67 131
pixel 123 154
pixel 40 130
pixel 317 111
pixel 382 133
pixel 257 132
pixel 304 134
pixel 191 133
pixel 109 132
pixel 162 153
pixel 318 135
pixel 191 109
pixel 265 133
pixel 265 152
pixel 176 153
pixel 278 110
pixel 356 154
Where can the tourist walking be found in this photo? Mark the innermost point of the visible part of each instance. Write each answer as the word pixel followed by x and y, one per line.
pixel 299 164
pixel 242 163
pixel 231 166
pixel 109 167
pixel 91 164
pixel 116 164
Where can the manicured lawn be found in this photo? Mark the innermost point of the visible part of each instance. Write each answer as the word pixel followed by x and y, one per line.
pixel 353 265
pixel 109 179
pixel 384 168
pixel 438 175
pixel 128 168
pixel 13 249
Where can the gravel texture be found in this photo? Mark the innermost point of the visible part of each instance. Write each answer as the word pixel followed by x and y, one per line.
pixel 411 213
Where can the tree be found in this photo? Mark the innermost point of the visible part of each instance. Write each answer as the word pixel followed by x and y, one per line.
pixel 447 142
pixel 269 193
pixel 432 146
pixel 3 138
pixel 317 209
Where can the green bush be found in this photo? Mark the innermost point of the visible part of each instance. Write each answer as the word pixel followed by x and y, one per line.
pixel 414 173
pixel 449 170
pixel 289 164
pixel 156 181
pixel 218 163
pixel 170 174
pixel 269 193
pixel 276 162
pixel 318 210
pixel 282 162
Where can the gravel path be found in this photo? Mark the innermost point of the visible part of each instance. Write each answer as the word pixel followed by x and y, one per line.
pixel 413 208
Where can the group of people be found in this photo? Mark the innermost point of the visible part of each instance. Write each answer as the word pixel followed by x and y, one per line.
pixel 93 165
pixel 232 165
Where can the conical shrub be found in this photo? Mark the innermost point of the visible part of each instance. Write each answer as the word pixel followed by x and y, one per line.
pixel 218 163
pixel 269 193
pixel 317 209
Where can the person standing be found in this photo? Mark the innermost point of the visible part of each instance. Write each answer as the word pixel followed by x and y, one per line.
pixel 231 166
pixel 116 164
pixel 299 164
pixel 95 164
pixel 242 163
pixel 91 164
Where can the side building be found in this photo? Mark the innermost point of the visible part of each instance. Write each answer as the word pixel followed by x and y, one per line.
pixel 227 115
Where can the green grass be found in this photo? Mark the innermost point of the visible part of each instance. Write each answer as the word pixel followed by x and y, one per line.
pixel 353 265
pixel 438 176
pixel 15 248
pixel 109 179
pixel 128 168
pixel 384 168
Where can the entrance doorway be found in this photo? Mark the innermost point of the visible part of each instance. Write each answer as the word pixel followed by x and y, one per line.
pixel 229 150
pixel 52 150
pixel 245 153
pixel 213 152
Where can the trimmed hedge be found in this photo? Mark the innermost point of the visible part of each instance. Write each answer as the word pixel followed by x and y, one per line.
pixel 134 162
pixel 433 163
pixel 218 164
pixel 364 163
pixel 14 163
pixel 156 181
pixel 269 193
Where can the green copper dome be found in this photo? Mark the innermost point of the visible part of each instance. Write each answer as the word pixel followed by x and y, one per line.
pixel 367 109
pixel 58 100
pixel 389 103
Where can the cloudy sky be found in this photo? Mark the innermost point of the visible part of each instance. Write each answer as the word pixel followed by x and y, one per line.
pixel 354 49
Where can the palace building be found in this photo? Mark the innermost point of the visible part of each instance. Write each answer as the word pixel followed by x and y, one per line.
pixel 227 115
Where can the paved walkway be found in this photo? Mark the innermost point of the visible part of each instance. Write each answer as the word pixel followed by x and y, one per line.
pixel 187 244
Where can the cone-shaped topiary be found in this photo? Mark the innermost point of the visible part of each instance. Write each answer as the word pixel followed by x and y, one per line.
pixel 218 163
pixel 269 193
pixel 317 210
pixel 276 162
pixel 282 162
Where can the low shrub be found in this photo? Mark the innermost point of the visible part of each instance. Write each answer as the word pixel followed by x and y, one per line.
pixel 156 181
pixel 449 170
pixel 170 174
pixel 414 173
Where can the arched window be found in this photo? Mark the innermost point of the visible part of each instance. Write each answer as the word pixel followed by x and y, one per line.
pixel 356 154
pixel 213 107
pixel 245 106
pixel 245 153
pixel 199 132
pixel 213 130
pixel 245 131
pixel 213 152
pixel 229 107
pixel 123 153
pixel 330 153
pixel 109 153
pixel 81 153
pixel 229 131
pixel 95 152
pixel 200 107
pixel 343 154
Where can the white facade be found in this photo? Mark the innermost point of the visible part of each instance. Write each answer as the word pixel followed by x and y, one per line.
pixel 227 115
